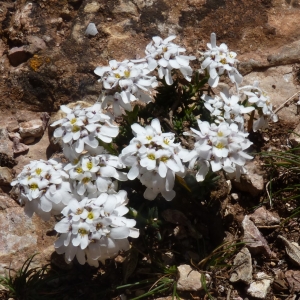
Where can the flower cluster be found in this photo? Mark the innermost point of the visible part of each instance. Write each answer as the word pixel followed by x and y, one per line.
pixel 95 229
pixel 85 190
pixel 219 59
pixel 153 157
pixel 227 108
pixel 44 188
pixel 167 56
pixel 256 97
pixel 126 81
pixel 217 147
pixel 82 128
pixel 92 175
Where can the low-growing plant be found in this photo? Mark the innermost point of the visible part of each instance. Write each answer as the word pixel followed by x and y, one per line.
pixel 158 122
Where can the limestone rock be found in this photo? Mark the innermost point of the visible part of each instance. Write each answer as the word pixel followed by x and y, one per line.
pixel 189 279
pixel 260 287
pixel 242 267
pixel 36 42
pixel 262 217
pixel 21 237
pixel 6 176
pixel 91 29
pixel 92 7
pixel 254 240
pixel 252 182
pixel 13 126
pixel 6 149
pixel 32 128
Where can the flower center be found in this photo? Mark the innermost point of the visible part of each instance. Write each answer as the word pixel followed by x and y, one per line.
pixel 90 216
pixel 79 170
pixel 75 128
pixel 38 171
pixel 220 146
pixel 117 75
pixel 82 231
pixel 164 158
pixel 33 186
pixel 85 180
pixel 151 156
pixel 73 121
pixel 127 73
pixel 89 165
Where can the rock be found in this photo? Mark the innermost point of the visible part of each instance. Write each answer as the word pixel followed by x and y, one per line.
pixel 282 78
pixel 252 182
pixel 6 176
pixel 18 147
pixel 29 140
pixel 242 267
pixel 235 196
pixel 292 249
pixel 18 55
pixel 260 287
pixel 262 217
pixel 13 126
pixel 32 128
pixel 294 137
pixel 254 240
pixel 21 237
pixel 37 42
pixel 189 279
pixel 91 29
pixel 92 7
pixel 293 278
pixel 125 7
pixel 6 149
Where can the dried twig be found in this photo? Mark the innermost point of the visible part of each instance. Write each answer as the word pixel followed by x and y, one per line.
pixel 285 102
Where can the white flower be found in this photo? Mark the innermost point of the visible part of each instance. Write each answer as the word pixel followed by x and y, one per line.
pixel 219 59
pixel 167 56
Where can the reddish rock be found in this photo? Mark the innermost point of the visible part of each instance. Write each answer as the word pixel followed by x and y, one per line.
pixel 293 278
pixel 18 55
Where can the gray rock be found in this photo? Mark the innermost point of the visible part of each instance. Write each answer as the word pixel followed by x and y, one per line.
pixel 242 267
pixel 32 128
pixel 254 240
pixel 259 288
pixel 91 29
pixel 6 176
pixel 37 42
pixel 189 279
pixel 262 217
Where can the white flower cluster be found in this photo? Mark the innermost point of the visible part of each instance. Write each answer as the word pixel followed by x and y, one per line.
pixel 256 97
pixel 167 56
pixel 44 188
pixel 227 108
pixel 91 175
pixel 218 147
pixel 153 157
pixel 127 81
pixel 82 128
pixel 219 59
pixel 95 229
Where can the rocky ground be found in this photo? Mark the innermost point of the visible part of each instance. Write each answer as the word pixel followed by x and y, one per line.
pixel 47 59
